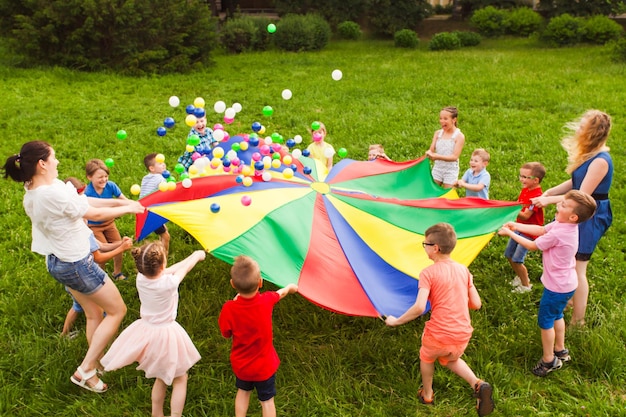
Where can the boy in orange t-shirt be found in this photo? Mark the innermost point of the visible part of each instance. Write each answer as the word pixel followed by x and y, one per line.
pixel 449 287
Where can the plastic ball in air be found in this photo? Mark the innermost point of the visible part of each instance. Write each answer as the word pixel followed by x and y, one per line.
pixel 169 122
pixel 199 102
pixel 193 140
pixel 247 181
pixel 215 208
pixel 288 173
pixel 256 126
pixel 189 109
pixel 246 200
pixel 218 135
pixel 342 152
pixel 166 174
pixel 268 111
pixel 219 107
pixel 271 28
pixel 121 134
pixel 306 152
pixel 135 189
pixel 199 112
pixel 160 158
pixel 329 153
pixel 174 101
pixel 306 170
pixel 286 94
pixel 218 152
pixel 186 182
pixel 297 139
pixel 180 168
pixel 163 186
pixel 191 120
pixel 337 75
pixel 315 125
pixel 109 162
pixel 161 131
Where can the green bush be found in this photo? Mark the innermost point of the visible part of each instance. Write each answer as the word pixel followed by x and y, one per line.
pixel 523 21
pixel 563 30
pixel 334 11
pixel 138 37
pixel 349 30
pixel 618 50
pixel 552 8
pixel 239 34
pixel 444 41
pixel 302 33
pixel 601 29
pixel 489 22
pixel 264 40
pixel 468 38
pixel 406 38
pixel 386 17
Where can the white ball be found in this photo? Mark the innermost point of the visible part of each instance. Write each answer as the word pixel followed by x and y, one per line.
pixel 174 101
pixel 219 107
pixel 237 107
pixel 329 152
pixel 287 94
pixel 268 140
pixel 298 139
pixel 266 176
pixel 218 135
pixel 337 75
pixel 231 154
pixel 187 182
pixel 296 154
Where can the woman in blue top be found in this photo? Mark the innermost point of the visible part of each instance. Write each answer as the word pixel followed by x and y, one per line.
pixel 591 168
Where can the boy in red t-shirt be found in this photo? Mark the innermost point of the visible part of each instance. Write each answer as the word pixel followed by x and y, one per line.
pixel 248 320
pixel 449 287
pixel 530 175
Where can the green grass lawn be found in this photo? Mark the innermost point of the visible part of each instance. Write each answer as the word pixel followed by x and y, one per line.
pixel 514 97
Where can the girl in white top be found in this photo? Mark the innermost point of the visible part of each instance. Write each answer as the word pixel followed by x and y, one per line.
pixel 61 235
pixel 446 148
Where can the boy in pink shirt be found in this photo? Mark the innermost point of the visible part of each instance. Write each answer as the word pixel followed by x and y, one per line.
pixel 449 287
pixel 559 242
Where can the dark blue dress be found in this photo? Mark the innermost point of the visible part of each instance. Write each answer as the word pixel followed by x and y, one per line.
pixel 590 231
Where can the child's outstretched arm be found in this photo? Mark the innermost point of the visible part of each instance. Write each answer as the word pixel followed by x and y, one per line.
pixel 413 312
pixel 509 230
pixel 180 269
pixel 289 289
pixel 108 251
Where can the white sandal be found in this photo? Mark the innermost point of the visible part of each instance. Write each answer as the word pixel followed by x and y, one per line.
pixel 99 387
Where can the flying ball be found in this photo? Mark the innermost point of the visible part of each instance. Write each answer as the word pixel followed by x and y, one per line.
pixel 342 152
pixel 219 107
pixel 109 162
pixel 268 111
pixel 315 125
pixel 271 28
pixel 163 186
pixel 218 152
pixel 135 189
pixel 169 122
pixel 161 131
pixel 238 107
pixel 286 94
pixel 199 112
pixel 247 181
pixel 215 208
pixel 186 182
pixel 160 158
pixel 337 75
pixel 180 168
pixel 246 200
pixel 288 173
pixel 306 152
pixel 174 101
pixel 190 120
pixel 121 134
pixel 193 140
pixel 189 109
pixel 256 126
pixel 166 174
pixel 307 170
pixel 199 102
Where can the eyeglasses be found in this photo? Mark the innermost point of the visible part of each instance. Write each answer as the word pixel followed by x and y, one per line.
pixel 424 244
pixel 526 177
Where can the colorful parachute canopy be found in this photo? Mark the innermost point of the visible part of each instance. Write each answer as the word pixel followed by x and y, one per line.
pixel 351 239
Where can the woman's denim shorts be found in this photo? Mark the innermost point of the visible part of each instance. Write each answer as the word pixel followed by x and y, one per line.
pixel 84 276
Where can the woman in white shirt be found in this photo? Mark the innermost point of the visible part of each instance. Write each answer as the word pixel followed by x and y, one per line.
pixel 59 233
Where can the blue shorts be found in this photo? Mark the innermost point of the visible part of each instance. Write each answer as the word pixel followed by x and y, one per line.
pixel 162 229
pixel 75 306
pixel 514 251
pixel 84 276
pixel 265 390
pixel 551 307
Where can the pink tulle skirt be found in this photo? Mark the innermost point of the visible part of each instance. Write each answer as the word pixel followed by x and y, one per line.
pixel 163 351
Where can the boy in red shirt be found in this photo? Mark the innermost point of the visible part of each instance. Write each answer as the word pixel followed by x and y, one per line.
pixel 248 320
pixel 530 175
pixel 449 287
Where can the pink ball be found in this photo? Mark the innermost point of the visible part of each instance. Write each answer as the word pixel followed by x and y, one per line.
pixel 218 126
pixel 226 169
pixel 226 136
pixel 195 156
pixel 228 120
pixel 246 200
pixel 317 137
pixel 256 156
pixel 276 147
pixel 236 161
pixel 265 150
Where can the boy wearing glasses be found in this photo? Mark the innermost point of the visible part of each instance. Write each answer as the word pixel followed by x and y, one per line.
pixel 449 287
pixel 530 175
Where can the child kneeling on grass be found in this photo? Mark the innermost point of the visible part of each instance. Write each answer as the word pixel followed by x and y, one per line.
pixel 559 242
pixel 449 287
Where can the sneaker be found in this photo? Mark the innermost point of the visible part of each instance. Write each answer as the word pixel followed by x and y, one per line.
pixel 563 355
pixel 542 369
pixel 522 289
pixel 515 282
pixel 484 400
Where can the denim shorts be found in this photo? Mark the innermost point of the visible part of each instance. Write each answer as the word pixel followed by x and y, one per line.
pixel 265 390
pixel 84 276
pixel 75 306
pixel 551 307
pixel 516 252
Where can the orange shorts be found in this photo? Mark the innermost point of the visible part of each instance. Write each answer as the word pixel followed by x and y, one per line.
pixel 432 350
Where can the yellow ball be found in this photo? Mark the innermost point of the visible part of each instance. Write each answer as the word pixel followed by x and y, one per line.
pixel 190 120
pixel 247 181
pixel 275 163
pixel 190 148
pixel 262 130
pixel 287 159
pixel 135 189
pixel 163 186
pixel 246 170
pixel 218 152
pixel 288 173
pixel 160 158
pixel 244 145
pixel 171 185
pixel 199 102
pixel 216 162
pixel 193 170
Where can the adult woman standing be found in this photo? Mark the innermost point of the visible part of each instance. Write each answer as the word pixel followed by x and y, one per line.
pixel 591 168
pixel 60 233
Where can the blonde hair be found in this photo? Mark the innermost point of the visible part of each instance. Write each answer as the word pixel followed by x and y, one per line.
pixel 585 204
pixel 380 151
pixel 482 154
pixel 245 274
pixel 587 138
pixel 150 258
pixel 95 164
pixel 443 235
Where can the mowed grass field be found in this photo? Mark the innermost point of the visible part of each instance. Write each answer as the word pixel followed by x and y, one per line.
pixel 514 97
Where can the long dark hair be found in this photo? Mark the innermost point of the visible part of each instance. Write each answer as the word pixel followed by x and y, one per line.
pixel 22 167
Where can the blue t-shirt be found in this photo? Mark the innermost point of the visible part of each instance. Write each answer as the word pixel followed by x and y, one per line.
pixel 483 177
pixel 111 190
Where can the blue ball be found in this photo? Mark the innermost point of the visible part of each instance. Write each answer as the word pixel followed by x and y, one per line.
pixel 226 162
pixel 253 141
pixel 215 207
pixel 161 131
pixel 168 122
pixel 239 179
pixel 199 112
pixel 259 165
pixel 190 109
pixel 294 167
pixel 290 143
pixel 256 126
pixel 166 174
pixel 306 152
pixel 306 170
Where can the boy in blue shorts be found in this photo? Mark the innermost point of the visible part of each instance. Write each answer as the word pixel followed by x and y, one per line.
pixel 559 242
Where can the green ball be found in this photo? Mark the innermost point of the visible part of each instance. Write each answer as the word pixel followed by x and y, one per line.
pixel 180 168
pixel 271 28
pixel 268 111
pixel 121 134
pixel 193 140
pixel 315 125
pixel 276 155
pixel 183 175
pixel 109 162
pixel 342 152
pixel 235 147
